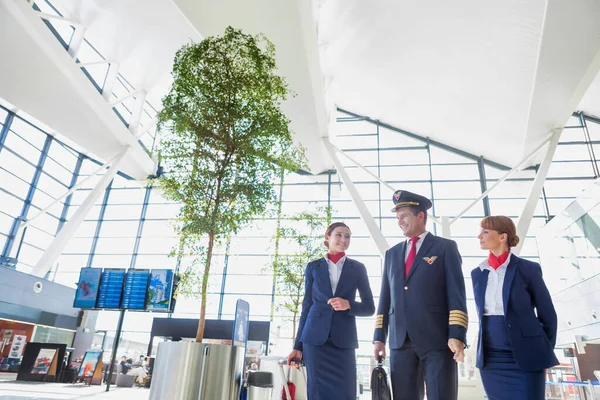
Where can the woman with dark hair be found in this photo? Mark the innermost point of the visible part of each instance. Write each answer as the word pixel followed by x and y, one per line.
pixel 327 338
pixel 517 320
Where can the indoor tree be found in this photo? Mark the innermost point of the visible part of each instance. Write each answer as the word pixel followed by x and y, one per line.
pixel 224 142
pixel 304 235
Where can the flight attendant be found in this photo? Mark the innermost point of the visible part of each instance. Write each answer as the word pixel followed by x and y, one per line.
pixel 517 330
pixel 327 337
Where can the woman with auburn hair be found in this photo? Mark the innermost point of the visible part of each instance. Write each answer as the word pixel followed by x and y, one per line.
pixel 327 338
pixel 517 320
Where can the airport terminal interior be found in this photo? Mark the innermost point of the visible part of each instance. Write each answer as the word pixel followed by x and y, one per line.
pixel 484 108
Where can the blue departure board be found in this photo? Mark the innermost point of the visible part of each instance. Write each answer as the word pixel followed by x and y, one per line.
pixel 136 287
pixel 111 288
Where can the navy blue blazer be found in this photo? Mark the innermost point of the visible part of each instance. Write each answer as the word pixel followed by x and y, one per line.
pixel 318 320
pixel 524 292
pixel 430 305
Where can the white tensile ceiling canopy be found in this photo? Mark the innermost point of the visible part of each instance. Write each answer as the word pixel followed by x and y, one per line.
pixel 490 78
pixel 494 79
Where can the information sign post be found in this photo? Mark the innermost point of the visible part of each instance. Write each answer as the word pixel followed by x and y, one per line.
pixel 115 348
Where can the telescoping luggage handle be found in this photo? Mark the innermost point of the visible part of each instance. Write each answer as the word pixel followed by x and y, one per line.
pixel 282 365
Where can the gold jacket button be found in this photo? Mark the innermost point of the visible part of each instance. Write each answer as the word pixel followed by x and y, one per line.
pixel 405 287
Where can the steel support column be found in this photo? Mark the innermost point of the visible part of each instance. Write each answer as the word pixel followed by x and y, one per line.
pixel 138 236
pixel 96 236
pixel 66 233
pixel 115 348
pixel 431 187
pixel 14 233
pixel 536 190
pixel 376 235
pixel 67 204
pixel 589 144
pixel 483 182
pixel 5 129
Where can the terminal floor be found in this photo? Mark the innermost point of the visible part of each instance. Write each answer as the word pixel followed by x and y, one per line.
pixel 13 390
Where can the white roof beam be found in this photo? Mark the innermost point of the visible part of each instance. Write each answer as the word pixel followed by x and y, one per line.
pixel 374 230
pixel 536 190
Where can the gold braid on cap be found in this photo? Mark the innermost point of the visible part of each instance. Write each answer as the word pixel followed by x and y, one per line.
pixel 407 203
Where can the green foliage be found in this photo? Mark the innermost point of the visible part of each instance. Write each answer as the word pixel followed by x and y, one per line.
pixel 224 140
pixel 306 232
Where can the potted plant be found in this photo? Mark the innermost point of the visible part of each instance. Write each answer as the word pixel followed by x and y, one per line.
pixel 224 140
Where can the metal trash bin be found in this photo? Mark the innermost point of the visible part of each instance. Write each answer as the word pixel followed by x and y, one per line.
pixel 197 371
pixel 260 385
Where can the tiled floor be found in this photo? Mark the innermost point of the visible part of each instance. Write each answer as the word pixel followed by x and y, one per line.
pixel 12 390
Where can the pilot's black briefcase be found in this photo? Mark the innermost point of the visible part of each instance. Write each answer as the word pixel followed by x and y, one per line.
pixel 380 389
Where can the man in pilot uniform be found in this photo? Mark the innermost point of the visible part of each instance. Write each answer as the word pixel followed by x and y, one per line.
pixel 423 303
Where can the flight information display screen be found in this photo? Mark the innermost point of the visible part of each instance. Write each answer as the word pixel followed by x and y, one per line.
pixel 111 288
pixel 87 288
pixel 136 287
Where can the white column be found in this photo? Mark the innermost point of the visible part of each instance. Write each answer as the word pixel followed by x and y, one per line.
pixel 446 228
pixel 68 230
pixel 376 235
pixel 536 190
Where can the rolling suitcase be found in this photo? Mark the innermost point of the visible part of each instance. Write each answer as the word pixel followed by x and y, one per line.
pixel 289 387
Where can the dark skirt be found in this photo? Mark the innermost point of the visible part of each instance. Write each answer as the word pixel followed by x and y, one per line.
pixel 502 377
pixel 331 372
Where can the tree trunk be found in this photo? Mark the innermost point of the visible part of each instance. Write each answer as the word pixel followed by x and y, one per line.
pixel 277 237
pixel 202 321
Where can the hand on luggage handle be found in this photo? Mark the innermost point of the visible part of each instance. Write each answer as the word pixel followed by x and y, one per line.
pixel 282 363
pixel 297 361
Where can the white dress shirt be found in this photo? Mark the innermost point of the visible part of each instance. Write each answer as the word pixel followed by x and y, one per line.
pixel 335 271
pixel 418 244
pixel 494 304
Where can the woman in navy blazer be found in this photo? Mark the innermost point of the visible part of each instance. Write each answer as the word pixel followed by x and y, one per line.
pixel 326 337
pixel 517 320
